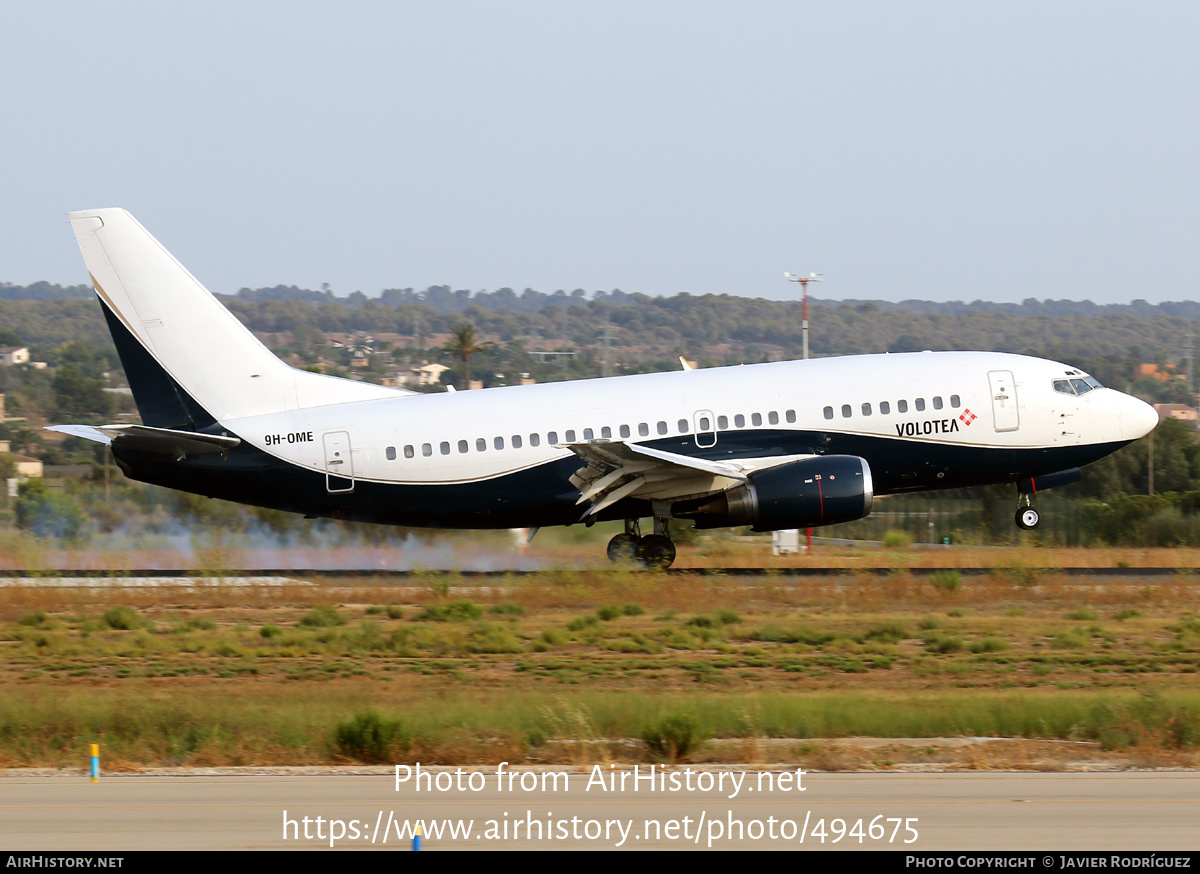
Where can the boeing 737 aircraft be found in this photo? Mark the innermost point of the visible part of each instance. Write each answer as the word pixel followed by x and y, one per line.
pixel 792 444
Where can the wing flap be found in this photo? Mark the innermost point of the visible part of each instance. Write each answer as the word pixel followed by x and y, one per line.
pixel 614 470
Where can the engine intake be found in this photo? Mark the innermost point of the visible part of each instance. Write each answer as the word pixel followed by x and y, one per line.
pixel 817 491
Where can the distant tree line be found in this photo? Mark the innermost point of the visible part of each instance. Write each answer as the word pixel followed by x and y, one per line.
pixel 651 332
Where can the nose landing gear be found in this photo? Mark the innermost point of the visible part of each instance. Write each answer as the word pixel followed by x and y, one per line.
pixel 1027 515
pixel 654 551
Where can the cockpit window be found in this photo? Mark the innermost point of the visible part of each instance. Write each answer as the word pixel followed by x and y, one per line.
pixel 1077 386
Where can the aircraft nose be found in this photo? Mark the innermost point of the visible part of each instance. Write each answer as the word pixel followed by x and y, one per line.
pixel 1137 418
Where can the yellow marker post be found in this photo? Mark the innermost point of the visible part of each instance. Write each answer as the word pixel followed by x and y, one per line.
pixel 417 837
pixel 95 763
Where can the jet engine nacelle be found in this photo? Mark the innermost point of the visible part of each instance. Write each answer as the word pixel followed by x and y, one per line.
pixel 817 491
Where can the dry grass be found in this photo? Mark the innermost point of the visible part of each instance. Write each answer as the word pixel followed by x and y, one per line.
pixel 542 676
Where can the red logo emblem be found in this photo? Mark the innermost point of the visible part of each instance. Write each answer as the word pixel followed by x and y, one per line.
pixel 967 417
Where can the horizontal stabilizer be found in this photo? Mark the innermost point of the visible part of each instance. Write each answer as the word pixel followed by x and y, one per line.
pixel 160 441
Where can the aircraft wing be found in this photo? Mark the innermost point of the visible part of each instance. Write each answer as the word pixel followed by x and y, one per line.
pixel 614 470
pixel 162 441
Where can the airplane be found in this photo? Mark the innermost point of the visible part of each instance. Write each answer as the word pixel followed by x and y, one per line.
pixel 793 444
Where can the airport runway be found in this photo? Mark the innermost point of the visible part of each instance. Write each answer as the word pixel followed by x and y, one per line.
pixel 1130 810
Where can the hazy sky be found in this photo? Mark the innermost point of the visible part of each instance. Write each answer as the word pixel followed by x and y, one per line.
pixel 941 150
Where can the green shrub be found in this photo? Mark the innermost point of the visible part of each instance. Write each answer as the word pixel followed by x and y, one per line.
pixel 455 611
pixel 34 617
pixel 1128 613
pixel 492 638
pixel 581 623
pixel 633 610
pixel 371 737
pixel 726 616
pixel 792 634
pixel 894 538
pixel 1083 614
pixel 946 581
pixel 270 632
pixel 324 616
pixel 943 642
pixel 1073 639
pixel 1149 719
pixel 673 737
pixel 990 644
pixel 121 618
pixel 394 611
pixel 889 632
pixel 608 612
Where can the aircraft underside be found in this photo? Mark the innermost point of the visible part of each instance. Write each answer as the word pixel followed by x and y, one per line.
pixel 543 495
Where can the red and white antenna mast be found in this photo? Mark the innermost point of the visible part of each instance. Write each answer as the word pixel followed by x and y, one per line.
pixel 804 281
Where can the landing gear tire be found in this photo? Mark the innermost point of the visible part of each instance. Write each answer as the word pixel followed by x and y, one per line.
pixel 622 549
pixel 1028 518
pixel 655 551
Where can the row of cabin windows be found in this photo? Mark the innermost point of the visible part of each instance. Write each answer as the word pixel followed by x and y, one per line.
pixel 885 407
pixel 643 429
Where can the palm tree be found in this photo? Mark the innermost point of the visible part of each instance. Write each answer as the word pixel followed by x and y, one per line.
pixel 463 345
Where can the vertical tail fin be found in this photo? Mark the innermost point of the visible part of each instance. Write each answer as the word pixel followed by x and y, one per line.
pixel 199 345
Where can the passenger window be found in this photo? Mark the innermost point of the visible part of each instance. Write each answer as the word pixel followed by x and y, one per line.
pixel 588 434
pixel 955 402
pixel 884 408
pixel 570 436
pixel 552 438
pixel 535 439
pixel 705 425
pixel 427 449
pixel 624 430
pixel 643 430
pixel 683 426
pixel 463 446
pixel 606 432
pixel 445 448
pixel 722 422
pixel 937 403
pixel 772 418
pixel 516 441
pixel 845 411
pixel 662 428
pixel 790 415
pixel 920 402
pixel 756 419
pixel 902 406
pixel 828 411
pixel 498 443
pixel 390 452
pixel 480 444
pixel 866 409
pixel 409 452
pixel 739 420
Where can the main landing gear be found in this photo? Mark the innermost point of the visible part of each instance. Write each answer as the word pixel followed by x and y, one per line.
pixel 1027 514
pixel 654 551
